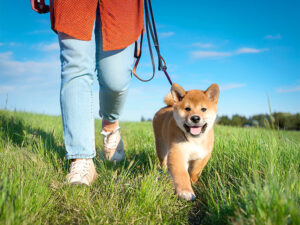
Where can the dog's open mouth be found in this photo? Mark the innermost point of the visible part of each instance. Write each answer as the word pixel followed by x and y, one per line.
pixel 195 130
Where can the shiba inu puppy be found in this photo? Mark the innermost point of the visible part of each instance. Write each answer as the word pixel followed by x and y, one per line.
pixel 184 135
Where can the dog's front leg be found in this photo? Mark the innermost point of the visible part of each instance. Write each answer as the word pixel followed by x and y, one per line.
pixel 178 167
pixel 196 168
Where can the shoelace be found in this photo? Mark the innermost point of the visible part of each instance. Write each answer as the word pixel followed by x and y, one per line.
pixel 80 167
pixel 110 138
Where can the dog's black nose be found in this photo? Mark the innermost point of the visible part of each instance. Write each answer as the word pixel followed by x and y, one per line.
pixel 195 119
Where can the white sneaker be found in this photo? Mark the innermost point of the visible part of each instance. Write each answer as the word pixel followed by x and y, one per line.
pixel 82 172
pixel 113 145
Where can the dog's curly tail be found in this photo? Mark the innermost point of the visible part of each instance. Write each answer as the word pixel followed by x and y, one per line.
pixel 169 100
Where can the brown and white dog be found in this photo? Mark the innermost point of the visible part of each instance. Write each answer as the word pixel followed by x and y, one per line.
pixel 184 135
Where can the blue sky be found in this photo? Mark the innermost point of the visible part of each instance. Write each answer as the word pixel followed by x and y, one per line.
pixel 250 48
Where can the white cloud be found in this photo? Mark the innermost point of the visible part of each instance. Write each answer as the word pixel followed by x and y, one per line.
pixel 46 31
pixel 5 55
pixel 31 85
pixel 6 88
pixel 231 86
pixel 203 45
pixel 158 25
pixel 273 37
pixel 13 68
pixel 250 50
pixel 48 47
pixel 14 44
pixel 166 34
pixel 209 54
pixel 216 54
pixel 289 89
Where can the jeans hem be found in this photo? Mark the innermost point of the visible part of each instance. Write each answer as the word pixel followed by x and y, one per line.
pixel 106 118
pixel 80 156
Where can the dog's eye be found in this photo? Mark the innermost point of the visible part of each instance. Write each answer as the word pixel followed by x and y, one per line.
pixel 187 109
pixel 203 109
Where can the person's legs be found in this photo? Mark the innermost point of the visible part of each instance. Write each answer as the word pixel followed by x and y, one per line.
pixel 76 100
pixel 114 74
pixel 76 96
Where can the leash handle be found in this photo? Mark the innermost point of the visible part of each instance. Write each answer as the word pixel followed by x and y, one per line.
pixel 150 30
pixel 137 55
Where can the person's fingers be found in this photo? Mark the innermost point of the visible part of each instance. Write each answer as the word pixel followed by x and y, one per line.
pixel 34 5
pixel 39 7
pixel 43 7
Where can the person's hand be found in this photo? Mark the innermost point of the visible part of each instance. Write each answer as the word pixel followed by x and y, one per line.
pixel 39 6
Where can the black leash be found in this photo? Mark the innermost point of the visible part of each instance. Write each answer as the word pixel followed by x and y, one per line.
pixel 150 26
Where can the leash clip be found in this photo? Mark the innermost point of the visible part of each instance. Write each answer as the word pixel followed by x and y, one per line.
pixel 164 66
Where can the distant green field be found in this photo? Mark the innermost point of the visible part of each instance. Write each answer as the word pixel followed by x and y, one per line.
pixel 252 178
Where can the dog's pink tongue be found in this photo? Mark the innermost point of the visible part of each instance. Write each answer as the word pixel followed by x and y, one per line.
pixel 195 130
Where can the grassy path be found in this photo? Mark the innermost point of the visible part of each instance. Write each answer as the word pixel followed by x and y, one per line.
pixel 252 178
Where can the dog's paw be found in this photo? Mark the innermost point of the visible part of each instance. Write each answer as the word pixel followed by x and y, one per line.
pixel 186 195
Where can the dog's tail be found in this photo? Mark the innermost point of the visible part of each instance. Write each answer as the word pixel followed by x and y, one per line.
pixel 169 100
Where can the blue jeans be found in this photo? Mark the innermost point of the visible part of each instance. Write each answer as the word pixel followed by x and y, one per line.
pixel 79 62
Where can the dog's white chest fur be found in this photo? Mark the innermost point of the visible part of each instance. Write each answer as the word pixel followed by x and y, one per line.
pixel 193 151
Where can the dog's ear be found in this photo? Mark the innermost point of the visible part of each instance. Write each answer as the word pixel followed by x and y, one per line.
pixel 177 92
pixel 213 93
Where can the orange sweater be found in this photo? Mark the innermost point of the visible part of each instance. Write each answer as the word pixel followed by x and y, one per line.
pixel 122 20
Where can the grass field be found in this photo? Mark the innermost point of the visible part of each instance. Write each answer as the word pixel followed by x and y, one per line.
pixel 252 178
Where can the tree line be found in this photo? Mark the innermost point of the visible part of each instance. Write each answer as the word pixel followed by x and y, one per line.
pixel 278 120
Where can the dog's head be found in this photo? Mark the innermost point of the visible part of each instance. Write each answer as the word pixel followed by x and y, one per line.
pixel 195 111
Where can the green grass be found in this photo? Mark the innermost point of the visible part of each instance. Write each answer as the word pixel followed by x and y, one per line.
pixel 252 178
